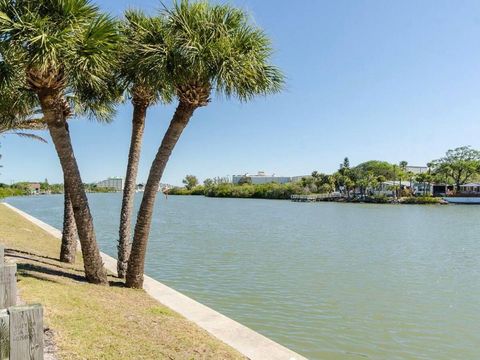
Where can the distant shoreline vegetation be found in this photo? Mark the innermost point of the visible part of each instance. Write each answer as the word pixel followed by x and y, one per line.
pixel 273 191
pixel 229 190
pixel 456 174
pixel 44 188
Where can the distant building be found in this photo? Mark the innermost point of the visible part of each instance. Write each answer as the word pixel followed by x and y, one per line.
pixel 417 169
pixel 262 178
pixel 470 188
pixel 112 183
pixel 34 188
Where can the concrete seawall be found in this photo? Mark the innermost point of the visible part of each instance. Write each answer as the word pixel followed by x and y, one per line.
pixel 248 342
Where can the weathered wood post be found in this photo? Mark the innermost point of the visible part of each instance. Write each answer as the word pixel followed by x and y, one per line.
pixel 8 285
pixel 2 257
pixel 26 332
pixel 4 335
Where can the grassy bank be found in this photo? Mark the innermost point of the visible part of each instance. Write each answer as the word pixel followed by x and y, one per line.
pixel 92 322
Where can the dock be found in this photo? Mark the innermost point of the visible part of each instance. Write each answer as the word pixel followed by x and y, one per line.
pixel 314 197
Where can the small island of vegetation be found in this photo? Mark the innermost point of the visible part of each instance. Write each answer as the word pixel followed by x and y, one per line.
pixel 369 182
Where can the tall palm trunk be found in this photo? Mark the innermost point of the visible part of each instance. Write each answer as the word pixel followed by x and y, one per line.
pixel 136 262
pixel 54 113
pixel 124 244
pixel 68 250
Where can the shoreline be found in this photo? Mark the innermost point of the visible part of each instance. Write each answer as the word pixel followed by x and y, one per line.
pixel 243 339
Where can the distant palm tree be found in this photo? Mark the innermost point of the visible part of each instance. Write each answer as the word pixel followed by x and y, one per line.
pixel 203 48
pixel 53 49
pixel 145 90
pixel 403 168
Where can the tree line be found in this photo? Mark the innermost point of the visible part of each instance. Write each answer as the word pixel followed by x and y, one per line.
pixel 456 168
pixel 63 59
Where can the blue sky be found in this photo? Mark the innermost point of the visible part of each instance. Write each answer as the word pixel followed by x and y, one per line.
pixel 388 80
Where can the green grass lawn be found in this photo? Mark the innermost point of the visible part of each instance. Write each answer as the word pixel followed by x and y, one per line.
pixel 93 322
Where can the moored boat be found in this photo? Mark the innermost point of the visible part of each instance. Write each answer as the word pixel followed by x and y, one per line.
pixel 462 200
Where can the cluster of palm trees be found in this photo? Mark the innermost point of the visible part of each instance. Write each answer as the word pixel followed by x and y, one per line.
pixel 65 58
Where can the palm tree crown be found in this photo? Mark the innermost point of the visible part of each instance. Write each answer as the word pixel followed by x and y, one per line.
pixel 65 46
pixel 207 47
pixel 138 31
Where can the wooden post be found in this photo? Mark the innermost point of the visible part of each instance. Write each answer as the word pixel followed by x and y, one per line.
pixel 4 336
pixel 8 285
pixel 2 259
pixel 26 332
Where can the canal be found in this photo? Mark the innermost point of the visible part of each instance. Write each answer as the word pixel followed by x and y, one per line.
pixel 328 280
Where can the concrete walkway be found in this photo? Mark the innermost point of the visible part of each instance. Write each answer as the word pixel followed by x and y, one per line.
pixel 248 342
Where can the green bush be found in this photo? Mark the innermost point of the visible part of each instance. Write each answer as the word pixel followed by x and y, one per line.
pixel 421 200
pixel 197 190
pixel 11 191
pixel 261 191
pixel 381 199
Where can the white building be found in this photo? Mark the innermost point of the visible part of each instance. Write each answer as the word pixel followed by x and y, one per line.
pixel 417 169
pixel 113 183
pixel 388 188
pixel 262 178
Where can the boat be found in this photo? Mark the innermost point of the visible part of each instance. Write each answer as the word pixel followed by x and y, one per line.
pixel 462 200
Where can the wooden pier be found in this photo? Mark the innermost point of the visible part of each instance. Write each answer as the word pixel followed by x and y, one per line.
pixel 314 198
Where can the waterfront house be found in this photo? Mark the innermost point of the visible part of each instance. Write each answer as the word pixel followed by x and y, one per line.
pixel 442 189
pixel 470 189
pixel 422 189
pixel 388 188
pixel 34 188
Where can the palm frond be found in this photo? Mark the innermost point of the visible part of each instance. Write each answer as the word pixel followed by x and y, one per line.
pixel 33 124
pixel 30 136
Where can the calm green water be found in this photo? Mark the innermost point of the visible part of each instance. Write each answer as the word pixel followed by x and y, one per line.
pixel 330 281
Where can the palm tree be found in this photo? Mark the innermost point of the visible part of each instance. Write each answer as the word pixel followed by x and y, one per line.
pixel 19 112
pixel 68 248
pixel 203 48
pixel 145 90
pixel 403 168
pixel 59 48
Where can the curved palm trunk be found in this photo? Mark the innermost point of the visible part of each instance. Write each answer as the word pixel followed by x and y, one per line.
pixel 136 262
pixel 68 250
pixel 124 244
pixel 51 104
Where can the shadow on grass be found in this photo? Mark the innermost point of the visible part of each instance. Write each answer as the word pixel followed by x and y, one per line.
pixel 54 268
pixel 37 276
pixel 36 271
pixel 9 251
pixel 37 258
